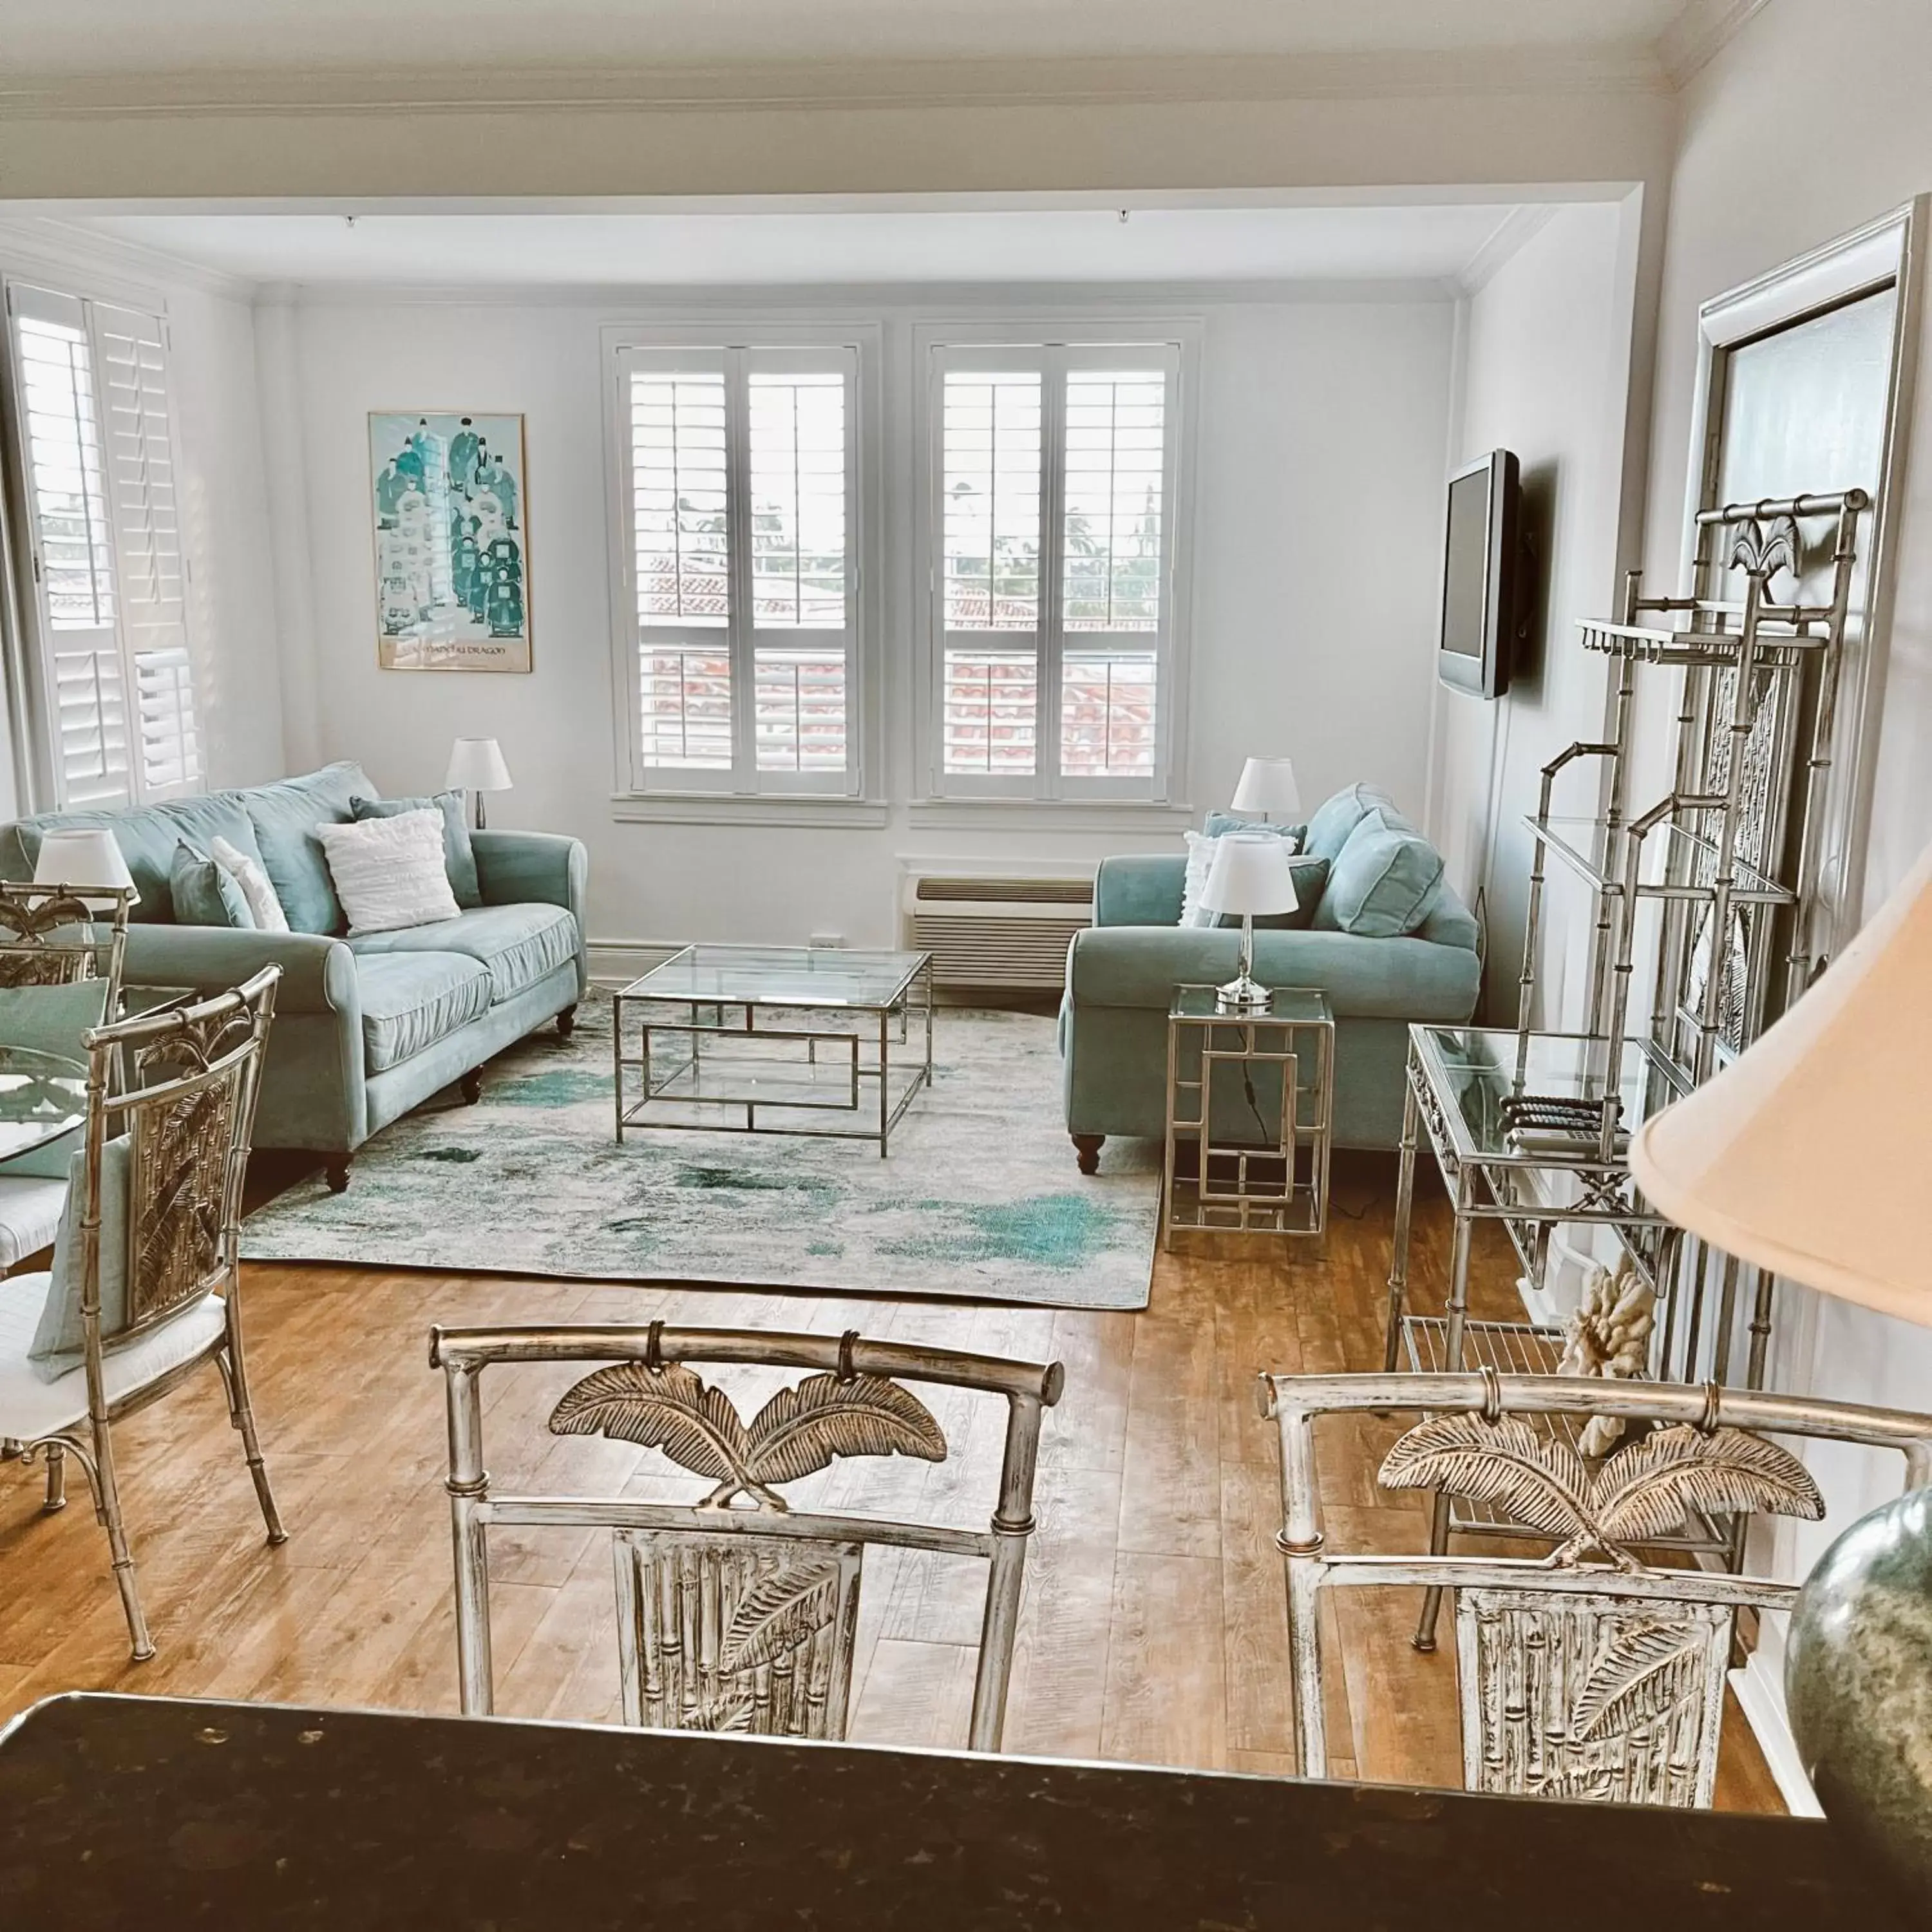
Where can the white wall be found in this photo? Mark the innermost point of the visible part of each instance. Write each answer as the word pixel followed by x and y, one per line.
pixel 1320 463
pixel 1811 122
pixel 1546 371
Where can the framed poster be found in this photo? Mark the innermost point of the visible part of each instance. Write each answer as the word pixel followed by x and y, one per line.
pixel 452 522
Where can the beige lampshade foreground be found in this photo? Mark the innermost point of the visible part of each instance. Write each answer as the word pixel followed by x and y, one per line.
pixel 1249 874
pixel 1812 1154
pixel 77 857
pixel 1267 786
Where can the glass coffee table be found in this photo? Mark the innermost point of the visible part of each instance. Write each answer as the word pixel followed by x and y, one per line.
pixel 774 1039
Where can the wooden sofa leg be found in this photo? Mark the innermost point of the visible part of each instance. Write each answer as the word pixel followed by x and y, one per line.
pixel 336 1175
pixel 1087 1148
pixel 566 1023
pixel 471 1085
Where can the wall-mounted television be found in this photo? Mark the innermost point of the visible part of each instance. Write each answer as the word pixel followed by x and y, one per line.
pixel 1481 574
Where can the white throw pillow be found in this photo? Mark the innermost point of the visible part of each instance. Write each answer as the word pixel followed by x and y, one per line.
pixel 389 872
pixel 256 889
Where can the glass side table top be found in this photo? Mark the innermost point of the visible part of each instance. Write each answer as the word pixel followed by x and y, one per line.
pixel 782 976
pixel 1472 1070
pixel 43 1095
pixel 1292 1006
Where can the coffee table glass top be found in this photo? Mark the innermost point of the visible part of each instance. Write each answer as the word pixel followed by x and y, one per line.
pixel 1473 1070
pixel 43 1095
pixel 782 976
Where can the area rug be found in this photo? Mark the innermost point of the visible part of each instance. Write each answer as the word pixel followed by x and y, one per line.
pixel 980 1197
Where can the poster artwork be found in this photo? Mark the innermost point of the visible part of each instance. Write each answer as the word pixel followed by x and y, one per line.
pixel 452 542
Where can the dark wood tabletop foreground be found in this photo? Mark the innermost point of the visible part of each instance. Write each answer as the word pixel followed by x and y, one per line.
pixel 161 1812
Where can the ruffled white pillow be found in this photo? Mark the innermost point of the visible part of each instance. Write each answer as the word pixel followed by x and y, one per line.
pixel 389 872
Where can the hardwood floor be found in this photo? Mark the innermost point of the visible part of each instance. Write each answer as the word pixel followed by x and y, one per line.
pixel 1152 1627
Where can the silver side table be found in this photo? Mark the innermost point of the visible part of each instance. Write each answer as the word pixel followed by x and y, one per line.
pixel 1250 1114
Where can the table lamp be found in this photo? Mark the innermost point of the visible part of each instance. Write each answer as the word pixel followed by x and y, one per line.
pixel 476 765
pixel 1808 1156
pixel 1267 787
pixel 1250 875
pixel 79 858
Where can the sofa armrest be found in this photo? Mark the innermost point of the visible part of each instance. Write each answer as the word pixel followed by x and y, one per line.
pixel 540 868
pixel 1142 889
pixel 318 973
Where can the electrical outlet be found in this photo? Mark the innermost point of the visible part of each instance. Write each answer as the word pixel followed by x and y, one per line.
pixel 827 942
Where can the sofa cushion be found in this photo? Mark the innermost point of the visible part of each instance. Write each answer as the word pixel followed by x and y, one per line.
pixel 1385 882
pixel 147 839
pixel 204 894
pixel 1328 830
pixel 285 816
pixel 459 855
pixel 410 1001
pixel 519 944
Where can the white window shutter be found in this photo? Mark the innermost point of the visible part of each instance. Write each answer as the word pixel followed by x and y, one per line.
pixel 138 443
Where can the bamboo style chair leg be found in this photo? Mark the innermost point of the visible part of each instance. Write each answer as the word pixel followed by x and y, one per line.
pixel 56 1479
pixel 107 1507
pixel 234 1379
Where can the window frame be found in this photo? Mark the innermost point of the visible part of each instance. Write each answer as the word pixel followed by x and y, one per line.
pixel 33 673
pixel 763 344
pixel 1057 345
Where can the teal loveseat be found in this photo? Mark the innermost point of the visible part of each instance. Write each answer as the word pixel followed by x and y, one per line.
pixel 1121 972
pixel 366 1027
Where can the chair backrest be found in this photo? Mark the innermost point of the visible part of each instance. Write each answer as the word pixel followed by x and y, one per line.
pixel 736 1612
pixel 181 1085
pixel 1591 1672
pixel 54 935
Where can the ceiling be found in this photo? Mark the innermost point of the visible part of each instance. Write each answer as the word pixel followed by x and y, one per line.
pixel 51 38
pixel 495 250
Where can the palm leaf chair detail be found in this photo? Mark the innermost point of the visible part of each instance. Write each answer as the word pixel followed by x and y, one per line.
pixel 736 1612
pixel 1589 1672
pixel 149 1251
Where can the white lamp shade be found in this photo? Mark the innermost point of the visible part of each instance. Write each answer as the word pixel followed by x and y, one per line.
pixel 1249 875
pixel 82 858
pixel 1807 1155
pixel 476 764
pixel 1267 786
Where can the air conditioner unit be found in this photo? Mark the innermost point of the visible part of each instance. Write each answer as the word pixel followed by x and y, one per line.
pixel 995 930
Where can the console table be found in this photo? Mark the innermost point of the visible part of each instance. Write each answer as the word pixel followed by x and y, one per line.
pixel 130 1811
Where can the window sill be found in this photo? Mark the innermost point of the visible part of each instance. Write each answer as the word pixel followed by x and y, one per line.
pixel 735 808
pixel 1061 815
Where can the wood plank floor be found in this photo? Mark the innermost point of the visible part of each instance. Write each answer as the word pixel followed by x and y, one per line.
pixel 1153 1626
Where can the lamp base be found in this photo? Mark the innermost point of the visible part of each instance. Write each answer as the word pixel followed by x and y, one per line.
pixel 1858 1685
pixel 1244 995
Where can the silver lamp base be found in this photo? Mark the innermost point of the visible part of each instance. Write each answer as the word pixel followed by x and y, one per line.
pixel 1244 995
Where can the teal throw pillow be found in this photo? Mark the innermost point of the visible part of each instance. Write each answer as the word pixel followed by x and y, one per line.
pixel 459 856
pixel 1385 883
pixel 51 1019
pixel 60 1342
pixel 1329 830
pixel 205 894
pixel 1310 876
pixel 1221 823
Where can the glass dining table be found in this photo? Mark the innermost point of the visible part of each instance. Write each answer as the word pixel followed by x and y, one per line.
pixel 43 1095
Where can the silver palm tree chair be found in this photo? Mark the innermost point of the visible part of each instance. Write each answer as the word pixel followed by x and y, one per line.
pixel 52 938
pixel 146 1286
pixel 736 1612
pixel 1591 1672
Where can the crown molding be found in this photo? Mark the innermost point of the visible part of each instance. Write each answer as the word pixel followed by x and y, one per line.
pixel 1509 235
pixel 49 243
pixel 1105 81
pixel 1688 45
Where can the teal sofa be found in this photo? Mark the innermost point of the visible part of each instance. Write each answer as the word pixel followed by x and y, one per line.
pixel 366 1027
pixel 1121 972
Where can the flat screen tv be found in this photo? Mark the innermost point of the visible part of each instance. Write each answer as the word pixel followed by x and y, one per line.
pixel 1480 572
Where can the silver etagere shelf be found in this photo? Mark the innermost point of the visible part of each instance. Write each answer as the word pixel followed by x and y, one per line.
pixel 1712 888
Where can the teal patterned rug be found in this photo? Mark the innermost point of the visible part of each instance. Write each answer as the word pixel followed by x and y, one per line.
pixel 980 1198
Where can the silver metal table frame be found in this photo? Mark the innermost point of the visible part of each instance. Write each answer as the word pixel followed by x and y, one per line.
pixel 657 1079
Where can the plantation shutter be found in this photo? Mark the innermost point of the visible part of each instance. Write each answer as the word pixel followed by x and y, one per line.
pixel 108 564
pixel 139 450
